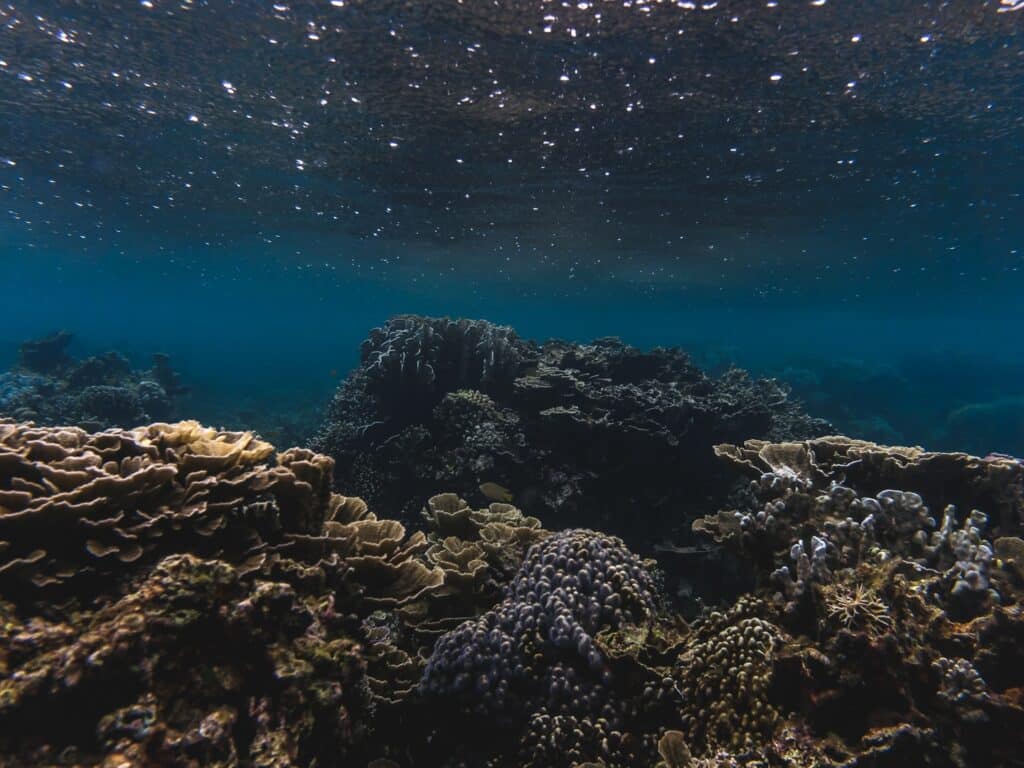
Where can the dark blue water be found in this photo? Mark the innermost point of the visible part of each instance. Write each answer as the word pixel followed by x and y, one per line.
pixel 827 192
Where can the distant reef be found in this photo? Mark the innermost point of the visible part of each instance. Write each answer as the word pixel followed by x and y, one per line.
pixel 600 434
pixel 942 400
pixel 50 387
pixel 174 595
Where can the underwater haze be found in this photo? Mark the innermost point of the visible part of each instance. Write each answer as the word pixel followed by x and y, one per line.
pixel 826 192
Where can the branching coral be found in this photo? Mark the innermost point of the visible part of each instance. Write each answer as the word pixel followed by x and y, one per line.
pixel 804 521
pixel 875 589
pixel 856 607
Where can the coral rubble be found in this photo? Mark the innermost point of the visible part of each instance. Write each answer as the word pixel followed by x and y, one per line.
pixel 176 595
pixel 580 434
pixel 48 386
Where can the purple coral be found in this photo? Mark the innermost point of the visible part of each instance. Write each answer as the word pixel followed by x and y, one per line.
pixel 536 649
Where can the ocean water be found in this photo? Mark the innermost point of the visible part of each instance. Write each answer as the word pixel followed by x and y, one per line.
pixel 396 540
pixel 827 192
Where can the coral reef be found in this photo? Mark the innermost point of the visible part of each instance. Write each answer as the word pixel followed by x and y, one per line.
pixel 177 595
pixel 884 614
pixel 148 610
pixel 968 408
pixel 569 587
pixel 536 663
pixel 50 387
pixel 580 434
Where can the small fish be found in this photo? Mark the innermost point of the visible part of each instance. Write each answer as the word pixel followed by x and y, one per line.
pixel 496 492
pixel 674 549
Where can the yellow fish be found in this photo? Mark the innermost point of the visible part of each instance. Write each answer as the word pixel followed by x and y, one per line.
pixel 496 492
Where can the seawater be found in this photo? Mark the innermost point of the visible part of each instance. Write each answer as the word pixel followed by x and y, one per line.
pixel 829 192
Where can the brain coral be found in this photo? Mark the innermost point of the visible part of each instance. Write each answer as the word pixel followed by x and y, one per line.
pixel 536 648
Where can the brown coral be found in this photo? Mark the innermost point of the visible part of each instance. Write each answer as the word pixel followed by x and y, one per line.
pixel 166 674
pixel 229 582
pixel 856 607
pixel 725 673
pixel 176 595
pixel 124 497
pixel 993 483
